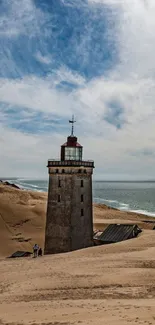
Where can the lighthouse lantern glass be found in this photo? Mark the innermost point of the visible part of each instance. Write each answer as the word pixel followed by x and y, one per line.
pixel 73 153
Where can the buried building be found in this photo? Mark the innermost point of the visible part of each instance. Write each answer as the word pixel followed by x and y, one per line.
pixel 115 233
pixel 20 254
pixel 69 224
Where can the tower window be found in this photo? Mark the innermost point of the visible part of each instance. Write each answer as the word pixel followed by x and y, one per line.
pixel 57 171
pixel 63 171
pixel 81 182
pixel 82 213
pixel 59 183
pixel 79 171
pixel 85 172
pixel 81 197
pixel 59 198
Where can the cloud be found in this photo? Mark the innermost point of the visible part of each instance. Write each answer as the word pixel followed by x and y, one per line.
pixel 43 58
pixel 21 18
pixel 103 72
pixel 114 114
pixel 42 94
pixel 25 154
pixel 144 152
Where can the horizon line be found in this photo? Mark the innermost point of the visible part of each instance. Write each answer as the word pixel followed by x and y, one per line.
pixel 103 180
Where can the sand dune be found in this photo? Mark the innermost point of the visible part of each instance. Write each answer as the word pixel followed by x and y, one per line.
pixel 22 219
pixel 112 284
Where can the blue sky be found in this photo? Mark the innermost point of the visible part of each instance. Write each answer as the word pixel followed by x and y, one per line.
pixel 91 58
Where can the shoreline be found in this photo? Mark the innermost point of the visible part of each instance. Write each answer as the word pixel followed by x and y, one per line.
pixel 142 212
pixel 23 217
pixel 99 201
pixel 34 189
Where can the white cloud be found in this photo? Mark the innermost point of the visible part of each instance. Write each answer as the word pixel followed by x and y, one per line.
pixel 131 83
pixel 65 74
pixel 45 59
pixel 21 18
pixel 111 2
pixel 25 154
pixel 41 94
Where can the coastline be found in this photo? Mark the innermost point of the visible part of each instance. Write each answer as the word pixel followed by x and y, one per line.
pixel 34 185
pixel 23 215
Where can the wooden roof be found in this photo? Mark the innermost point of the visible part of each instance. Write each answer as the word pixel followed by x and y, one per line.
pixel 119 232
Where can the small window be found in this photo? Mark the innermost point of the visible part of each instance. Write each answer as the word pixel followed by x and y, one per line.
pixel 59 198
pixel 57 171
pixel 82 214
pixel 63 171
pixel 85 171
pixel 59 183
pixel 81 182
pixel 81 197
pixel 79 171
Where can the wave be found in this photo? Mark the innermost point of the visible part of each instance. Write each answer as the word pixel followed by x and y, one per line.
pixel 36 189
pixel 27 184
pixel 112 203
pixel 31 179
pixel 40 187
pixel 150 214
pixel 122 206
pixel 105 200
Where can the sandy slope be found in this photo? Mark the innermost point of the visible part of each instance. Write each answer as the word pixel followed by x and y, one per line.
pixel 111 285
pixel 22 219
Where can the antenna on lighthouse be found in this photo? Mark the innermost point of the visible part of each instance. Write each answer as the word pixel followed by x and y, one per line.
pixel 72 121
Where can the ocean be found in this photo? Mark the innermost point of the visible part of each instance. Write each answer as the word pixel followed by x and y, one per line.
pixel 129 196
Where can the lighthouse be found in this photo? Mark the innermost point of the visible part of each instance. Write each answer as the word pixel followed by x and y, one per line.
pixel 69 219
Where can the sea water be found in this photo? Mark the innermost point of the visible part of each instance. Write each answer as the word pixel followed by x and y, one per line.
pixel 129 196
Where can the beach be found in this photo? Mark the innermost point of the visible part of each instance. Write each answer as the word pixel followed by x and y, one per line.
pixel 110 284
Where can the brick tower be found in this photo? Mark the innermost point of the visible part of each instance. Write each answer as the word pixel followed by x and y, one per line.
pixel 69 224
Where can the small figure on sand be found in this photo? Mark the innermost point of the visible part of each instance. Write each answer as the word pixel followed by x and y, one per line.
pixel 35 250
pixel 40 253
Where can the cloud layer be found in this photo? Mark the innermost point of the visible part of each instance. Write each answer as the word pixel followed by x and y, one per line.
pixel 94 59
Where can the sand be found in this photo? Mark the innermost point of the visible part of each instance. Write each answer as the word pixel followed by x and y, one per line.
pixel 112 284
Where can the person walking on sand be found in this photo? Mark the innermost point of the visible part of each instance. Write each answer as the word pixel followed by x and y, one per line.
pixel 35 250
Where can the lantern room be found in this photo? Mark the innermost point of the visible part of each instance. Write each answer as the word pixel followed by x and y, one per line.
pixel 71 150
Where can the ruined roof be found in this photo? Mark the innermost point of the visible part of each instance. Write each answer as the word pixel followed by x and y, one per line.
pixel 20 254
pixel 119 232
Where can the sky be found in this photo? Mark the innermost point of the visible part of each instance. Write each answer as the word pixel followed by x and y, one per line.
pixel 90 58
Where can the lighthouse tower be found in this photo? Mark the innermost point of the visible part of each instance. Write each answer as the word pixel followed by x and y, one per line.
pixel 69 224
